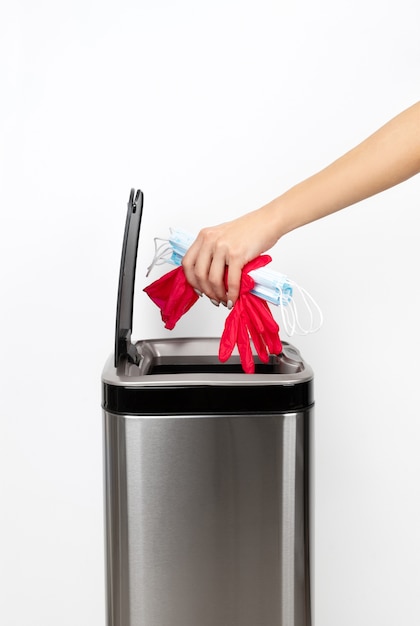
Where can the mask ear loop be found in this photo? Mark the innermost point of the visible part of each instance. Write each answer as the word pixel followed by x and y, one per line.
pixel 162 254
pixel 180 241
pixel 311 306
pixel 287 316
pixel 301 330
pixel 311 302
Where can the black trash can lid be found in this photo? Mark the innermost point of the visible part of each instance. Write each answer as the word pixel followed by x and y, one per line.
pixel 124 349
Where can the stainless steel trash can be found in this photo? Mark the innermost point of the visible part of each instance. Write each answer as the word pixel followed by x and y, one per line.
pixel 206 479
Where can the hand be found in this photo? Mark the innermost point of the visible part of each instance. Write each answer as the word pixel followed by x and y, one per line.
pixel 231 244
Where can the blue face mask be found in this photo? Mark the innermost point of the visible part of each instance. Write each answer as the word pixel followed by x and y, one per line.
pixel 180 241
pixel 269 285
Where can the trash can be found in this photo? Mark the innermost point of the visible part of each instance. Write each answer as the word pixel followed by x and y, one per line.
pixel 206 478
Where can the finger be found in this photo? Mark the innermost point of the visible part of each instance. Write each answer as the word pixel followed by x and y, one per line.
pixel 244 348
pixel 234 281
pixel 267 318
pixel 198 262
pixel 257 262
pixel 271 328
pixel 188 264
pixel 259 341
pixel 216 277
pixel 229 335
pixel 211 276
pixel 201 271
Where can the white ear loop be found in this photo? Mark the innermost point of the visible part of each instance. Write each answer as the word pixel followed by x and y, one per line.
pixel 163 253
pixel 290 317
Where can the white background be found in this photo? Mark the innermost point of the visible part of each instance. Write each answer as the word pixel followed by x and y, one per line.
pixel 212 110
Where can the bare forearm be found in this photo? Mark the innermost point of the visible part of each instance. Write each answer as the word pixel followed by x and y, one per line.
pixel 386 158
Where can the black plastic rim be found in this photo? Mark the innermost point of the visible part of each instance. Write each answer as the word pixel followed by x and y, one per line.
pixel 207 399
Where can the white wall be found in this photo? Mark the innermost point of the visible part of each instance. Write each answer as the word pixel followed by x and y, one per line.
pixel 212 110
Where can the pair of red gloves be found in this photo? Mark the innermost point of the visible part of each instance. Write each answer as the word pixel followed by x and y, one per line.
pixel 250 318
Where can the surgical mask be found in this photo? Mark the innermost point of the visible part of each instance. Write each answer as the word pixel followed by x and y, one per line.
pixel 270 285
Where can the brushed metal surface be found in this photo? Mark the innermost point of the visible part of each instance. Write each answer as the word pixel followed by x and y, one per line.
pixel 207 520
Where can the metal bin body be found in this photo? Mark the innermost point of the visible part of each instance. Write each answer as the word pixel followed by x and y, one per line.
pixel 206 478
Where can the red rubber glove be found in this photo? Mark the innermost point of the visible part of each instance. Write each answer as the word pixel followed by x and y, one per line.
pixel 250 318
pixel 173 295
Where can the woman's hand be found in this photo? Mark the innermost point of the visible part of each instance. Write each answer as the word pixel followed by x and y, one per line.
pixel 230 245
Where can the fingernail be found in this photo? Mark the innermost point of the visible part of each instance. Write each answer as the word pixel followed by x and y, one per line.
pixel 198 293
pixel 229 304
pixel 215 302
pixel 224 303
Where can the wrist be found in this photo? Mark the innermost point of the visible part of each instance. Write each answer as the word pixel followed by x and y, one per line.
pixel 304 203
pixel 281 216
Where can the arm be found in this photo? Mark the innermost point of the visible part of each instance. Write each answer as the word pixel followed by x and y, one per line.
pixel 386 158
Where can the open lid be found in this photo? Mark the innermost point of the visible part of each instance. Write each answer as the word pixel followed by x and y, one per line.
pixel 124 349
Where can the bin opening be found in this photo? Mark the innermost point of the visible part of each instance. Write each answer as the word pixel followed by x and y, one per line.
pixel 211 365
pixel 211 368
pixel 178 356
